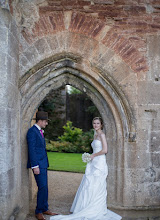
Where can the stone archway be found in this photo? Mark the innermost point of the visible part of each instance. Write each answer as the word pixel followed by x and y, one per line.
pixel 100 66
pixel 36 84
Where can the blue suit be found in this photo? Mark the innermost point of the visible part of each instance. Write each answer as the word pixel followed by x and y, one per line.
pixel 37 155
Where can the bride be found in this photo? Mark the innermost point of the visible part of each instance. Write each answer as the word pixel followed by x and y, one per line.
pixel 90 200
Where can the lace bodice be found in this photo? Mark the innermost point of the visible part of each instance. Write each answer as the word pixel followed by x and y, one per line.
pixel 96 145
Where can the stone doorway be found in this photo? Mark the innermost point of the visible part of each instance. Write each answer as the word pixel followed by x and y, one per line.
pixel 40 80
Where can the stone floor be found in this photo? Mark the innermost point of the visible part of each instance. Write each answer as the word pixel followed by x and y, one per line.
pixel 62 189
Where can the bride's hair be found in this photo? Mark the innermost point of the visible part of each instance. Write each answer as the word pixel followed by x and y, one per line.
pixel 100 119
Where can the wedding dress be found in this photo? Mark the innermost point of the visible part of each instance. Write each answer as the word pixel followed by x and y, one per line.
pixel 90 200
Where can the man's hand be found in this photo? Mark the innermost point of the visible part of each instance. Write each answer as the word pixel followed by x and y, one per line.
pixel 36 170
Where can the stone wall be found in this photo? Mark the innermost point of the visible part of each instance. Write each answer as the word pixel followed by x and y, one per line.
pixel 110 50
pixel 10 151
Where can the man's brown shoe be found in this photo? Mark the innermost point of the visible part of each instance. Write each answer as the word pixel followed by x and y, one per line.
pixel 48 212
pixel 40 216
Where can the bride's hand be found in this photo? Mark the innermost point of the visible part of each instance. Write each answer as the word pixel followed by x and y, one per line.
pixel 92 156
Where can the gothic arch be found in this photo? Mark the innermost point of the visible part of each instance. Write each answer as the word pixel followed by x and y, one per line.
pixel 60 72
pixel 36 84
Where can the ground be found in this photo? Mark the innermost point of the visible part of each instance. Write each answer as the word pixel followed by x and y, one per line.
pixel 62 189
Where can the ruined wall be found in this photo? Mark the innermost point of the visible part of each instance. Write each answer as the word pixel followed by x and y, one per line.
pixel 108 49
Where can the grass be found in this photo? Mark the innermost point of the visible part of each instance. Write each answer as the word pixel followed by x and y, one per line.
pixel 69 162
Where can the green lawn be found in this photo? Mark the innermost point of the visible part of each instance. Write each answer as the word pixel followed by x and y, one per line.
pixel 70 162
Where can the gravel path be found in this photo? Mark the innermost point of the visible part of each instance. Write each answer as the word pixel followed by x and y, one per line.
pixel 62 189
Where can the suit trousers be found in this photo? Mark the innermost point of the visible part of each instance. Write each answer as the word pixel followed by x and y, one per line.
pixel 42 194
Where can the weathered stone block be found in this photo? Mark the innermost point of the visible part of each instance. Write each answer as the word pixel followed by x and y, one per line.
pixel 155 142
pixel 31 54
pixel 4 39
pixel 155 159
pixel 147 93
pixel 13 47
pixel 137 159
pixel 52 42
pixel 142 140
pixel 4 67
pixel 154 55
pixel 5 18
pixel 23 65
pixel 42 46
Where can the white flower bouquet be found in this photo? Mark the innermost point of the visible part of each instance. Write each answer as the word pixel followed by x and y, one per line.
pixel 86 157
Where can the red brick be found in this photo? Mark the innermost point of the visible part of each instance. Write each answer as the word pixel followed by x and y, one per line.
pixel 51 19
pixel 83 3
pixel 108 13
pixel 105 2
pixel 97 29
pixel 155 26
pixel 43 26
pixel 87 25
pixel 126 2
pixel 134 8
pixel 54 3
pixel 37 31
pixel 75 20
pixel 110 38
pixel 140 64
pixel 128 53
pixel 57 20
pixel 142 68
pixel 137 24
pixel 69 2
pixel 26 36
pixel 80 25
pixel 155 2
pixel 10 6
pixel 121 45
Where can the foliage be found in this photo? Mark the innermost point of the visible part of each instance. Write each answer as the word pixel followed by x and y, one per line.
pixel 71 134
pixel 92 109
pixel 74 140
pixel 53 128
pixel 56 146
pixel 86 140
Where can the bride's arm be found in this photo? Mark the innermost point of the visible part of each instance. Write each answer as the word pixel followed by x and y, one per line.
pixel 104 147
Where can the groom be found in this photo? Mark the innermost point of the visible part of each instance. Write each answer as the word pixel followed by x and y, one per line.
pixel 38 161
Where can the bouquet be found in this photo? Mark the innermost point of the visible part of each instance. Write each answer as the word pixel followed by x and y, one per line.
pixel 86 157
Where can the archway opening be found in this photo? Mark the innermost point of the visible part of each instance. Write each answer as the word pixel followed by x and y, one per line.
pixel 38 83
pixel 62 196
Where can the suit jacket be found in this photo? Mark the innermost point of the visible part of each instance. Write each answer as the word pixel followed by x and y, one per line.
pixel 37 154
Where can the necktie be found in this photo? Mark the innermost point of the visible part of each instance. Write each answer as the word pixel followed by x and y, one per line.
pixel 42 133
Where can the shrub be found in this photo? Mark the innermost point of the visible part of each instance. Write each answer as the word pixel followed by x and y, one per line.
pixel 74 140
pixel 71 134
pixel 56 146
pixel 86 140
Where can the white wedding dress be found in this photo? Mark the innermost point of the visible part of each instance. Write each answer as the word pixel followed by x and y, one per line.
pixel 90 200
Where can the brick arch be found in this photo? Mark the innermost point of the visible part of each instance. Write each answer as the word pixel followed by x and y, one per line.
pixel 76 23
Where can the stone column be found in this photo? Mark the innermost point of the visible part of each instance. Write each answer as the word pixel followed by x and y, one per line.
pixel 10 154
